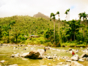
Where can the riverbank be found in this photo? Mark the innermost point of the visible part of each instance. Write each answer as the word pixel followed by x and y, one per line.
pixel 62 53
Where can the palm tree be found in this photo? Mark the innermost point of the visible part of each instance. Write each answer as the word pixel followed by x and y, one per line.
pixel 52 16
pixel 84 17
pixel 66 12
pixel 59 23
pixel 80 16
pixel 58 13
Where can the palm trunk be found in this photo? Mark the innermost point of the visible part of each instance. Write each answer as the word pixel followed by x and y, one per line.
pixel 74 35
pixel 83 28
pixel 54 31
pixel 16 39
pixel 8 38
pixel 83 31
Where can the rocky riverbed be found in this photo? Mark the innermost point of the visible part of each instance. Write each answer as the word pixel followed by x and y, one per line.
pixel 34 55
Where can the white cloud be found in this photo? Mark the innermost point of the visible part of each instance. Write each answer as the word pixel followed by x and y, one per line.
pixel 31 7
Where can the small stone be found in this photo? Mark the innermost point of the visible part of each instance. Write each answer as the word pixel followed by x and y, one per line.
pixel 2 61
pixel 60 63
pixel 68 60
pixel 86 59
pixel 75 63
pixel 49 57
pixel 81 60
pixel 43 65
pixel 13 65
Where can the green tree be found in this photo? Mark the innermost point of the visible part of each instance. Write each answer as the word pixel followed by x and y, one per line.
pixel 1 33
pixel 84 16
pixel 52 16
pixel 73 29
pixel 50 38
pixel 66 12
pixel 58 13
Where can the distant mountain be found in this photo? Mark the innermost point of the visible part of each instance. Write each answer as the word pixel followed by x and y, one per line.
pixel 41 15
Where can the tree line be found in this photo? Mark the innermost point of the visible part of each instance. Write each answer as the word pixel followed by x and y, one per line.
pixel 53 32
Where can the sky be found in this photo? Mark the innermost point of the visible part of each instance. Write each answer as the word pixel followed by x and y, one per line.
pixel 30 7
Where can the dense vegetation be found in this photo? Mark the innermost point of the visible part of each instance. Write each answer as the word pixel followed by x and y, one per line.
pixel 17 29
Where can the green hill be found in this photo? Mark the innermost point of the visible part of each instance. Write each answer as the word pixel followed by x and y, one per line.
pixel 17 29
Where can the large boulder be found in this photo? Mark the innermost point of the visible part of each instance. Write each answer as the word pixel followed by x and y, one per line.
pixel 33 55
pixel 84 56
pixel 41 51
pixel 24 54
pixel 75 58
pixel 75 63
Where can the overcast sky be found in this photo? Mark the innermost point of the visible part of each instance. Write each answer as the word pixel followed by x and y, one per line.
pixel 31 7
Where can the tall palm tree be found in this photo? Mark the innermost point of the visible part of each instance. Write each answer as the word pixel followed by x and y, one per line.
pixel 80 16
pixel 84 16
pixel 59 23
pixel 66 12
pixel 52 16
pixel 58 13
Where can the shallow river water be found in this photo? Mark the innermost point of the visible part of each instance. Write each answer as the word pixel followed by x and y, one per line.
pixel 62 56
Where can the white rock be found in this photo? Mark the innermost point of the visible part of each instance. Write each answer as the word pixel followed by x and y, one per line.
pixel 24 54
pixel 61 63
pixel 13 65
pixel 75 63
pixel 75 57
pixel 49 63
pixel 41 51
pixel 43 65
pixel 70 52
pixel 15 55
pixel 86 59
pixel 68 60
pixel 81 60
pixel 65 65
pixel 49 57
pixel 2 61
pixel 58 58
pixel 32 48
pixel 77 51
pixel 58 65
pixel 54 57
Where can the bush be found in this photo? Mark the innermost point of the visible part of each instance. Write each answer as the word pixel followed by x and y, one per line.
pixel 49 35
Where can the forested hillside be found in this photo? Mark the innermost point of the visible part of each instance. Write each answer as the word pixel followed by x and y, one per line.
pixel 17 29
